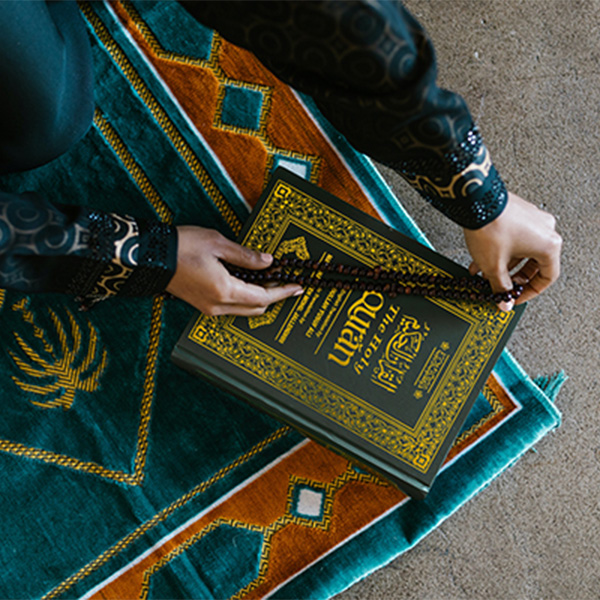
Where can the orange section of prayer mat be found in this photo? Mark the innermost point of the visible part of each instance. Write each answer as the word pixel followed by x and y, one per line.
pixel 339 501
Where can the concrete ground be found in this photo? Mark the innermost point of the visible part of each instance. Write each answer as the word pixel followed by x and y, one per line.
pixel 529 70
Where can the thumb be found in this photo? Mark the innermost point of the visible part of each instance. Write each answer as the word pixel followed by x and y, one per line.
pixel 500 281
pixel 474 268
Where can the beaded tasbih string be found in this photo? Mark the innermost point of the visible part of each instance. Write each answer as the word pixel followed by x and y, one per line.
pixel 328 275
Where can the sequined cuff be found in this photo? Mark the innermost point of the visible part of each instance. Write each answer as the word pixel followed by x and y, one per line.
pixel 126 258
pixel 462 184
pixel 157 260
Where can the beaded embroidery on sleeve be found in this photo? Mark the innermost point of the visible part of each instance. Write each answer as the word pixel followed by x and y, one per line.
pixel 127 258
pixel 462 184
pixel 80 251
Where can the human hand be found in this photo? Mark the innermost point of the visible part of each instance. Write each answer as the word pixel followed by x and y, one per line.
pixel 522 232
pixel 202 281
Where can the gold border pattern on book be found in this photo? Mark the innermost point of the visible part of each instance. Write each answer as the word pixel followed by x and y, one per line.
pixel 416 446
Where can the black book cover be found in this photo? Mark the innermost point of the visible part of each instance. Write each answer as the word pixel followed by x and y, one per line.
pixel 385 381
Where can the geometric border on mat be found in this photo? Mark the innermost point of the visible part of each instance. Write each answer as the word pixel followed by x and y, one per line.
pixel 162 515
pixel 177 543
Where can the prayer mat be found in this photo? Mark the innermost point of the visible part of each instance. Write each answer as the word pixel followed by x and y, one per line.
pixel 125 477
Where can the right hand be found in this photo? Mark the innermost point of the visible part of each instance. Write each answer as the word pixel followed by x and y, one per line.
pixel 202 281
pixel 522 232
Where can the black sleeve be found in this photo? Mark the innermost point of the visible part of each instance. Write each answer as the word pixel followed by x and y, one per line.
pixel 371 70
pixel 80 251
pixel 46 106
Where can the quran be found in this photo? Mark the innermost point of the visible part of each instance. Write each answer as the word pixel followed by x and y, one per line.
pixel 385 381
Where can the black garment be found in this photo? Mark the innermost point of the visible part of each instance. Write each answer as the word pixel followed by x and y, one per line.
pixel 81 251
pixel 371 70
pixel 46 106
pixel 368 65
pixel 47 95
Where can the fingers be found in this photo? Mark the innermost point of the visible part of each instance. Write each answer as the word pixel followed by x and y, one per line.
pixel 243 299
pixel 260 297
pixel 527 272
pixel 549 268
pixel 537 283
pixel 522 237
pixel 500 281
pixel 539 273
pixel 202 280
pixel 240 256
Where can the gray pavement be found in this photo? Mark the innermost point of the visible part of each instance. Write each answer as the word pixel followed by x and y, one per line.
pixel 530 71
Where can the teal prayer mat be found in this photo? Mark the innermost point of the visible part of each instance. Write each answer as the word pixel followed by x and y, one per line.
pixel 122 475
